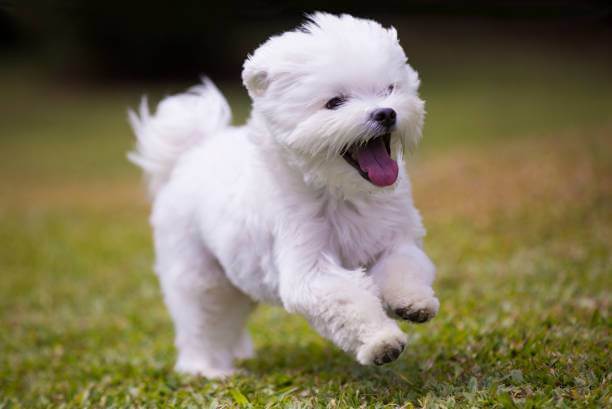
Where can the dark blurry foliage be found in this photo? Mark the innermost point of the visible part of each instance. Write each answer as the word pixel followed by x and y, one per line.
pixel 9 33
pixel 165 39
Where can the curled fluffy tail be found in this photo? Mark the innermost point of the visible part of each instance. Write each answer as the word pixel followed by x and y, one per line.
pixel 179 123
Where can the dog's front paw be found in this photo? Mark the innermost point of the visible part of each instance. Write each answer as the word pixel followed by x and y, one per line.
pixel 383 348
pixel 419 306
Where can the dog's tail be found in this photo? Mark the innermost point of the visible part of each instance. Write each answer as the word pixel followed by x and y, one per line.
pixel 180 122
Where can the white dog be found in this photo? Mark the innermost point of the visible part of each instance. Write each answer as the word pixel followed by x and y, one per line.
pixel 308 206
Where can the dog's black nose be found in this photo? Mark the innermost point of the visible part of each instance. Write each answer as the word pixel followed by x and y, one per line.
pixel 384 116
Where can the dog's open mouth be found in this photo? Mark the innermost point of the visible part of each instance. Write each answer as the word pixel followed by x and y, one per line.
pixel 373 160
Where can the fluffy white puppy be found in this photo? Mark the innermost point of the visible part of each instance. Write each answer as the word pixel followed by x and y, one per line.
pixel 307 206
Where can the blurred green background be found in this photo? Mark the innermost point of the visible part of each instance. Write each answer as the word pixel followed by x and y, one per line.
pixel 513 177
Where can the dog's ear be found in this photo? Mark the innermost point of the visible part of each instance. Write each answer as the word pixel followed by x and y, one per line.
pixel 255 78
pixel 412 77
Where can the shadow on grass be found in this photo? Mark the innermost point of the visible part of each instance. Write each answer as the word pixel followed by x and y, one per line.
pixel 325 372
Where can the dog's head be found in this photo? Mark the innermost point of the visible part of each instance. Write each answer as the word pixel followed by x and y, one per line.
pixel 338 95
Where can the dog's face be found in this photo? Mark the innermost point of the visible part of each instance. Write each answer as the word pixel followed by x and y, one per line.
pixel 338 95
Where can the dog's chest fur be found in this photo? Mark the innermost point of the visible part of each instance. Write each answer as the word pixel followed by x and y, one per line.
pixel 361 230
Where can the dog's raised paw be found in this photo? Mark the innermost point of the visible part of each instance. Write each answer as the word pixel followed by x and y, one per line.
pixel 384 348
pixel 388 354
pixel 419 316
pixel 419 309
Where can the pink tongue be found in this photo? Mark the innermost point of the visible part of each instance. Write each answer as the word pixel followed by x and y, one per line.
pixel 376 162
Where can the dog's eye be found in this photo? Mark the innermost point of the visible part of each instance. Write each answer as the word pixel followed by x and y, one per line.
pixel 335 102
pixel 390 89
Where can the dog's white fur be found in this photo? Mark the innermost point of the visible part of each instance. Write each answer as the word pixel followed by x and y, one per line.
pixel 270 212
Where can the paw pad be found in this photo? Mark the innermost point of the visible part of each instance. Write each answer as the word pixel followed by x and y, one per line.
pixel 388 354
pixel 419 316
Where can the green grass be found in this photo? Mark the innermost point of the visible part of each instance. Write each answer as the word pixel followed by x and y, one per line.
pixel 514 182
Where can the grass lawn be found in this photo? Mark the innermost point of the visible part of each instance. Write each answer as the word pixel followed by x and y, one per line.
pixel 514 179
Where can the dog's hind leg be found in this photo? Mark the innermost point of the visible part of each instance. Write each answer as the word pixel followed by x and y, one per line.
pixel 244 347
pixel 209 313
